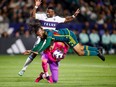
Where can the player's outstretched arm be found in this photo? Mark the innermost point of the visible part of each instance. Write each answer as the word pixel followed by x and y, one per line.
pixel 70 18
pixel 29 52
pixel 37 4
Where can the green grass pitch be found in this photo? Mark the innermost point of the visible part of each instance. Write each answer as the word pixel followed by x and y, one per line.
pixel 74 71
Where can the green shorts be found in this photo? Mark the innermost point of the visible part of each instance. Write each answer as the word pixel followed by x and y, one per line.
pixel 72 39
pixel 65 35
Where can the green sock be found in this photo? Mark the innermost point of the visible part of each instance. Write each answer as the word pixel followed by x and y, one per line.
pixel 90 53
pixel 90 48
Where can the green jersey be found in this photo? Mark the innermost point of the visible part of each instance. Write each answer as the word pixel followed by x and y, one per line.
pixel 62 35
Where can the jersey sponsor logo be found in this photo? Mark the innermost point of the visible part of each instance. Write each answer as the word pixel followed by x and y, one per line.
pixel 17 47
pixel 56 33
pixel 48 24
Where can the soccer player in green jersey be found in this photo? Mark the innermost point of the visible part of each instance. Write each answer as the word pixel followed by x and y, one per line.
pixel 63 35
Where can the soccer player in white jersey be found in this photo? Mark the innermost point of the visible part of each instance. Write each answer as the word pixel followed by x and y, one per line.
pixel 48 20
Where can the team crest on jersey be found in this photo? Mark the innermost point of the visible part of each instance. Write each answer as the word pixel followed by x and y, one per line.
pixel 56 33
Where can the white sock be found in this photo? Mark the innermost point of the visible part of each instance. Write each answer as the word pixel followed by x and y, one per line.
pixel 28 61
pixel 45 75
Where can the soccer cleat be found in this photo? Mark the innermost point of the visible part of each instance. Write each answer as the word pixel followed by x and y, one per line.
pixel 40 77
pixel 49 79
pixel 100 54
pixel 21 72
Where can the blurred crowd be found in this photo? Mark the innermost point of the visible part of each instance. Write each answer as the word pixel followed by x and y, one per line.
pixel 98 12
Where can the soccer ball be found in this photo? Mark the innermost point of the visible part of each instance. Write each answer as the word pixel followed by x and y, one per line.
pixel 58 54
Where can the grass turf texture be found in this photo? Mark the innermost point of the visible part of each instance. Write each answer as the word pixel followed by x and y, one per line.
pixel 74 71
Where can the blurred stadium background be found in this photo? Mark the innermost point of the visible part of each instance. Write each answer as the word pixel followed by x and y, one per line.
pixel 96 23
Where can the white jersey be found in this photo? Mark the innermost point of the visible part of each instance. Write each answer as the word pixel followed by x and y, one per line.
pixel 49 23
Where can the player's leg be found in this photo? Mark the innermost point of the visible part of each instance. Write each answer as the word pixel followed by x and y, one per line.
pixel 45 64
pixel 44 74
pixel 45 61
pixel 27 62
pixel 79 49
pixel 90 48
pixel 54 71
pixel 84 50
pixel 75 44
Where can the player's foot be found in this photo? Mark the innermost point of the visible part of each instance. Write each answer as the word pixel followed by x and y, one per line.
pixel 100 54
pixel 21 72
pixel 49 79
pixel 39 78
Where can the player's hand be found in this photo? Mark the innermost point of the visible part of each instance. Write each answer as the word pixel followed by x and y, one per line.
pixel 37 2
pixel 34 52
pixel 77 12
pixel 27 52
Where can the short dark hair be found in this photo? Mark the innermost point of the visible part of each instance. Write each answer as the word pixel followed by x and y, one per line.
pixel 51 8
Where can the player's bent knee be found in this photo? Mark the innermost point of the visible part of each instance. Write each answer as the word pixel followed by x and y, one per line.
pixel 82 48
pixel 81 53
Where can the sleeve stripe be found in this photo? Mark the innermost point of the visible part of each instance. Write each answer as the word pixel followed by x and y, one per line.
pixel 42 45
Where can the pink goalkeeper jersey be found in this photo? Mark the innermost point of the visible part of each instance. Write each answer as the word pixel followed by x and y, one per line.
pixel 56 46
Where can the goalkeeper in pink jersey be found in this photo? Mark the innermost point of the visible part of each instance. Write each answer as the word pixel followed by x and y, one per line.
pixel 50 56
